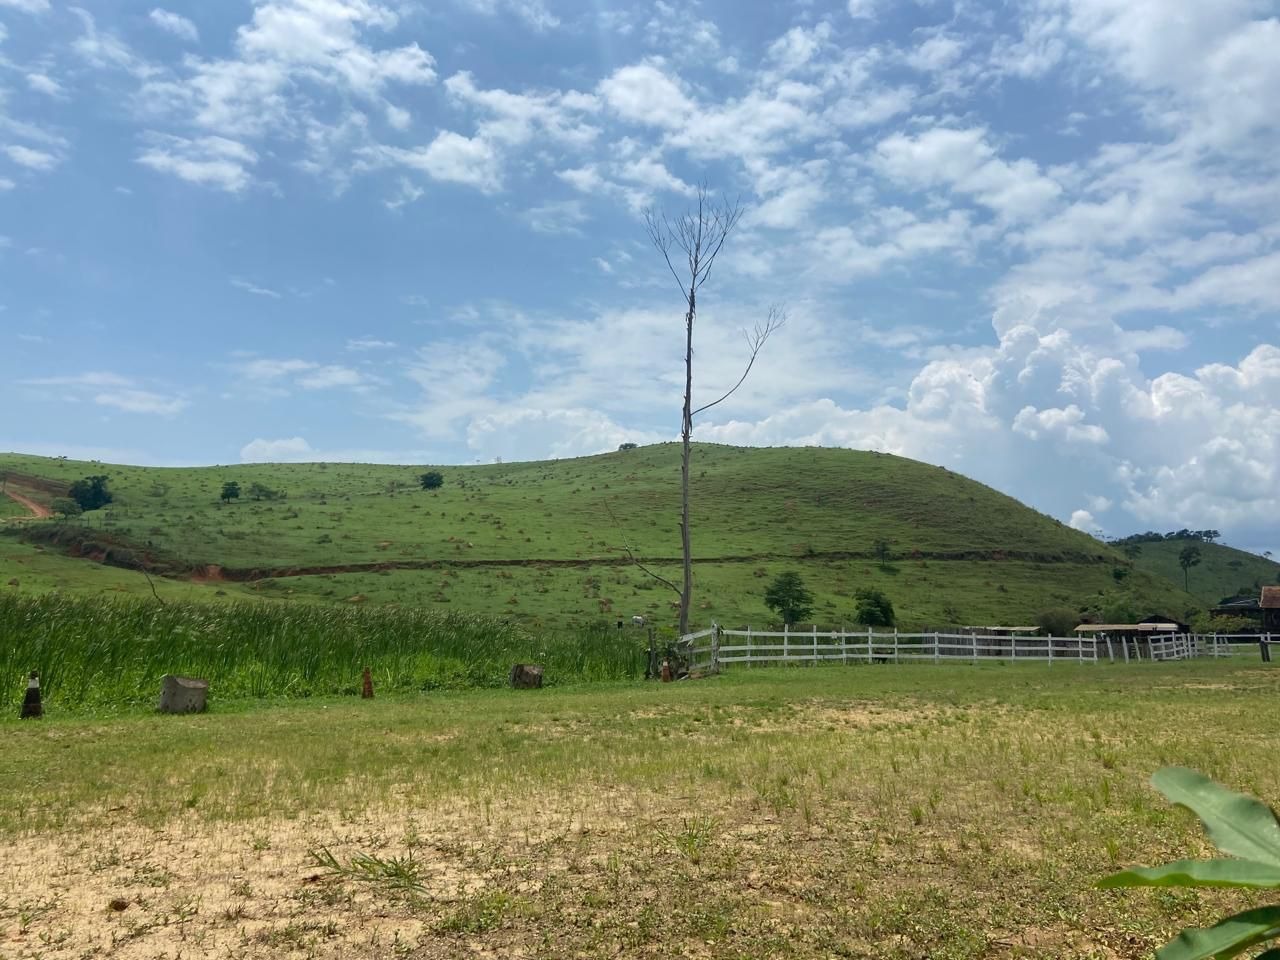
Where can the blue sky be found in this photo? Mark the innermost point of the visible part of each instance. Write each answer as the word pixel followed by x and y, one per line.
pixel 1037 242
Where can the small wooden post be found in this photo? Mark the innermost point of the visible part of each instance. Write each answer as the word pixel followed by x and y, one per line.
pixel 715 647
pixel 786 644
pixel 936 652
pixel 366 685
pixel 32 708
pixel 870 658
pixel 815 643
pixel 1050 645
pixel 974 638
pixel 1111 653
pixel 895 644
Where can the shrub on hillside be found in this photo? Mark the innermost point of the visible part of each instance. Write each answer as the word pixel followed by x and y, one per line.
pixel 1224 624
pixel 431 480
pixel 65 507
pixel 873 608
pixel 91 493
pixel 1057 621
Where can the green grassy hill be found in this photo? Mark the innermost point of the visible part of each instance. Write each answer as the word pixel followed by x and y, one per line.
pixel 1223 571
pixel 544 541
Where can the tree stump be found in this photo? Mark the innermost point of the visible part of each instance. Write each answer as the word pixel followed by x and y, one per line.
pixel 526 676
pixel 183 694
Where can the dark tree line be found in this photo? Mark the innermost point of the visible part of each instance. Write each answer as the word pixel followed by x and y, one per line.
pixel 1151 536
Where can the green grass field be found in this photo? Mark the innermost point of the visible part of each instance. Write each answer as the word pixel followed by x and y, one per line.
pixel 114 652
pixel 1221 572
pixel 11 509
pixel 947 812
pixel 544 543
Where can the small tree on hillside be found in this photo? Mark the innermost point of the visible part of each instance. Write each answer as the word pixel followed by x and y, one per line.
pixel 788 598
pixel 882 553
pixel 1188 558
pixel 91 493
pixel 260 491
pixel 230 491
pixel 65 507
pixel 873 608
pixel 431 480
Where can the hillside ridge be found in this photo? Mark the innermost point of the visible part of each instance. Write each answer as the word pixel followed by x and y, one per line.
pixel 548 539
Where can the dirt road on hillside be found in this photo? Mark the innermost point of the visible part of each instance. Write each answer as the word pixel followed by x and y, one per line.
pixel 38 510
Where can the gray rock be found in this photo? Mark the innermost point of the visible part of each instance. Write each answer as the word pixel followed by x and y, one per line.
pixel 526 676
pixel 183 694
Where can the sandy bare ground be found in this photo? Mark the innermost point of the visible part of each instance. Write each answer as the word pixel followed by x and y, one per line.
pixel 38 510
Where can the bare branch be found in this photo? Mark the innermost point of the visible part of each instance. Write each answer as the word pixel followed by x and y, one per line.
pixel 626 546
pixel 699 234
pixel 756 341
pixel 143 568
pixel 661 236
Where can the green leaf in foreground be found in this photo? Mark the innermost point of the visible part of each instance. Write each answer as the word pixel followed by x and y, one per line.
pixel 1237 824
pixel 1198 873
pixel 1226 939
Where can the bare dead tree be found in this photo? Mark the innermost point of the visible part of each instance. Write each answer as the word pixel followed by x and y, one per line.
pixel 690 244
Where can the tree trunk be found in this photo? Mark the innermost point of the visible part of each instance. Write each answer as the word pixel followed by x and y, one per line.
pixel 686 435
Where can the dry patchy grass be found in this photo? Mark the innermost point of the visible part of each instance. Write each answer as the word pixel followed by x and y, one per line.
pixel 880 812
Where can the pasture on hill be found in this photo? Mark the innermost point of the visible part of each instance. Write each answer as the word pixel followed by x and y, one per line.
pixel 883 812
pixel 1222 570
pixel 545 542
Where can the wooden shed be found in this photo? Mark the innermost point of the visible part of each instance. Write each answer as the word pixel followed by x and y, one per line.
pixel 1270 603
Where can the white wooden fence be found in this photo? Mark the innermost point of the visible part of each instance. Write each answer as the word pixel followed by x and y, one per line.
pixel 717 647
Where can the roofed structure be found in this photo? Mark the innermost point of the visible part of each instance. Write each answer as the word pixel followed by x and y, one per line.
pixel 1127 628
pixel 1270 604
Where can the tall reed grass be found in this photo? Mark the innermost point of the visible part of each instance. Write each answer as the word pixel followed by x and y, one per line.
pixel 92 652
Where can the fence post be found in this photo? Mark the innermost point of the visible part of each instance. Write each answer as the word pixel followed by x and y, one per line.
pixel 974 638
pixel 815 644
pixel 936 652
pixel 1050 646
pixel 1111 651
pixel 715 647
pixel 751 650
pixel 786 645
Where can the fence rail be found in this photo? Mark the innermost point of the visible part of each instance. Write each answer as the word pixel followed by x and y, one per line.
pixel 711 649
